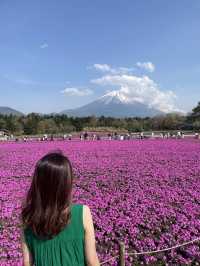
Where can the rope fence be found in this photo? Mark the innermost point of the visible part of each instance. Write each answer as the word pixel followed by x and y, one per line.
pixel 109 260
pixel 122 252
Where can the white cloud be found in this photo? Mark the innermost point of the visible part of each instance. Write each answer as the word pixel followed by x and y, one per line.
pixel 141 89
pixel 44 45
pixel 149 66
pixel 76 91
pixel 102 67
pixel 117 70
pixel 126 70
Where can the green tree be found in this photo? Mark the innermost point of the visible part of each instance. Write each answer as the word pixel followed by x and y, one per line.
pixel 193 119
pixel 41 128
pixel 196 111
pixel 92 121
pixel 2 123
pixel 173 121
pixel 78 125
pixel 134 126
pixel 196 124
pixel 31 123
pixel 66 127
pixel 13 125
pixel 47 126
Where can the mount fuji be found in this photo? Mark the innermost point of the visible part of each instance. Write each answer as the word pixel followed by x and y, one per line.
pixel 4 110
pixel 114 104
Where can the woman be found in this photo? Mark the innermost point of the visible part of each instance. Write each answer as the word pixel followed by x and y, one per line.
pixel 55 231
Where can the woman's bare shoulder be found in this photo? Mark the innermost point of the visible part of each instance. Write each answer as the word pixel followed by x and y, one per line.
pixel 87 216
pixel 86 208
pixel 86 211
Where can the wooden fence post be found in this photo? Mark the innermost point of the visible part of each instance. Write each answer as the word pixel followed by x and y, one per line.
pixel 121 254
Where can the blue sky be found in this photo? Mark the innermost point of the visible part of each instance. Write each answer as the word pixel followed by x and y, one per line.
pixel 56 55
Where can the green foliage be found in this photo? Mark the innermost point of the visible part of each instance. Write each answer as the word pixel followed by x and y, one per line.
pixel 196 124
pixel 193 119
pixel 196 110
pixel 34 124
pixel 2 123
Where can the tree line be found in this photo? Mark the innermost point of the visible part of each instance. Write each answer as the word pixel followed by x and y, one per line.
pixel 33 123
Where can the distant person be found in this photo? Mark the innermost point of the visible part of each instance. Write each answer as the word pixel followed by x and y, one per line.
pixel 81 136
pixel 85 136
pixel 182 135
pixel 56 231
pixel 179 135
pixel 196 135
pixel 109 136
pixel 45 137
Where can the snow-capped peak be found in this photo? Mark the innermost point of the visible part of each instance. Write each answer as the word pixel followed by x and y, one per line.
pixel 113 96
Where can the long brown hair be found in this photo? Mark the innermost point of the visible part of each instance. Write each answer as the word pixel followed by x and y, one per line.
pixel 47 206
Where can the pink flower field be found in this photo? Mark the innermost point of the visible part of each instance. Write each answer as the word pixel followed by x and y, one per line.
pixel 145 193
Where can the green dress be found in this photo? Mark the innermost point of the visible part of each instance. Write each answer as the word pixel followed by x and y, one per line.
pixel 65 249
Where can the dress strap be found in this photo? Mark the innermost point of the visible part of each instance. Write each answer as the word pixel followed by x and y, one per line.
pixel 77 217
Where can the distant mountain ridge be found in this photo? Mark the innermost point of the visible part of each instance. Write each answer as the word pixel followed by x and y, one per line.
pixel 114 104
pixel 4 110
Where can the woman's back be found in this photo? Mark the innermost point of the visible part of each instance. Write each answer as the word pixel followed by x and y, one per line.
pixel 67 248
pixel 47 210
